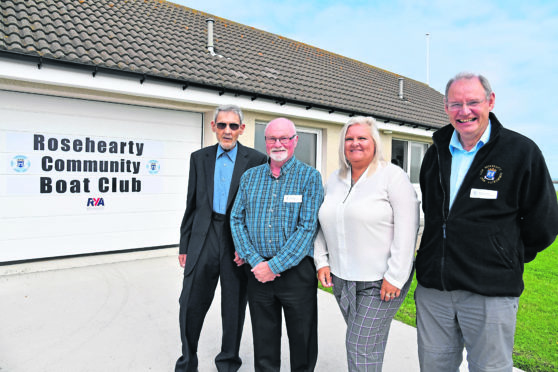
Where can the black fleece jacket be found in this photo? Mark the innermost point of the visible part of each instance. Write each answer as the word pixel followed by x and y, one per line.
pixel 504 213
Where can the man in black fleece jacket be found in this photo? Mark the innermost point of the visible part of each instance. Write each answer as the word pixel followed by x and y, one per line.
pixel 489 207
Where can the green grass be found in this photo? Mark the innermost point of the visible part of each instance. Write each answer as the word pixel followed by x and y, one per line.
pixel 536 334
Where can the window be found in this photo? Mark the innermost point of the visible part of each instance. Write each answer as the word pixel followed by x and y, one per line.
pixel 309 145
pixel 408 155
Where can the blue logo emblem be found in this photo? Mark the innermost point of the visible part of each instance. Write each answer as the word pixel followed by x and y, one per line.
pixel 153 166
pixel 20 163
pixel 490 174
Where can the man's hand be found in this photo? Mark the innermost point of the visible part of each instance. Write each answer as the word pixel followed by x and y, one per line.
pixel 182 259
pixel 388 292
pixel 237 260
pixel 324 276
pixel 263 273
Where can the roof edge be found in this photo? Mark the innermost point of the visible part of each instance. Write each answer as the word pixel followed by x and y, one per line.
pixel 220 89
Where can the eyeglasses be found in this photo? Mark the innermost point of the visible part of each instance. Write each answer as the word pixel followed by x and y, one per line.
pixel 233 126
pixel 456 106
pixel 283 140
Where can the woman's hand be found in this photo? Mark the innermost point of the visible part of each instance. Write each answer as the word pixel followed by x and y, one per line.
pixel 388 292
pixel 324 276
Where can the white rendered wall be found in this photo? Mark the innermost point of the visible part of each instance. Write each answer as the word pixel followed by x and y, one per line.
pixel 53 224
pixel 148 147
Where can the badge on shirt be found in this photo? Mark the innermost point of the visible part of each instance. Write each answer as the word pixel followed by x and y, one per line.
pixel 484 194
pixel 292 199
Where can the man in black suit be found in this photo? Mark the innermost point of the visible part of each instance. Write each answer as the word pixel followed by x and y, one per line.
pixel 206 247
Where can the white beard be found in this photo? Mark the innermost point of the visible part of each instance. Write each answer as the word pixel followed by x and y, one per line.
pixel 282 156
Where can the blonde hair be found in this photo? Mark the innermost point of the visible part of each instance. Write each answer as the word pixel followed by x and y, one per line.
pixel 370 123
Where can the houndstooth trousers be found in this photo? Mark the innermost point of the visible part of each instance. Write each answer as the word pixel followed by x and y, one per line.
pixel 368 320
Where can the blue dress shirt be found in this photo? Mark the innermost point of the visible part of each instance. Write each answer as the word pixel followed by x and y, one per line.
pixel 224 166
pixel 462 159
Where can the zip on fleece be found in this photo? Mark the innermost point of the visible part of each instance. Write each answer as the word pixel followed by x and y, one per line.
pixel 444 220
pixel 444 216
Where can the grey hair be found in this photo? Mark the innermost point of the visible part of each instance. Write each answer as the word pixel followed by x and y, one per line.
pixel 229 108
pixel 469 75
pixel 370 123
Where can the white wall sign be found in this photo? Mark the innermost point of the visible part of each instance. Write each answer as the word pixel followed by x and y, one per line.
pixel 66 164
pixel 80 176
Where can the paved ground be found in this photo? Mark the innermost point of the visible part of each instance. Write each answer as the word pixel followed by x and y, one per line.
pixel 120 313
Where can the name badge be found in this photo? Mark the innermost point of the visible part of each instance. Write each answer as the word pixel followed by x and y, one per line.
pixel 292 199
pixel 484 194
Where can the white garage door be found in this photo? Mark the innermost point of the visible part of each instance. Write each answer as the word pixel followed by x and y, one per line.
pixel 79 176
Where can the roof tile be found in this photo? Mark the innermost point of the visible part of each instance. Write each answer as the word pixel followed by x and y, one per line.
pixel 163 39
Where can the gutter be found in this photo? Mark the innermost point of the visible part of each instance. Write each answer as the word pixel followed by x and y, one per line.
pixel 142 76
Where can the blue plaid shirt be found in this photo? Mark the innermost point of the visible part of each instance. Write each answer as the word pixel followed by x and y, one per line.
pixel 275 219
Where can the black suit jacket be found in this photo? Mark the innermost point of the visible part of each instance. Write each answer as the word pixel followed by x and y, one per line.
pixel 199 203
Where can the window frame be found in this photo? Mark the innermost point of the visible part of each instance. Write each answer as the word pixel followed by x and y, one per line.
pixel 309 130
pixel 407 166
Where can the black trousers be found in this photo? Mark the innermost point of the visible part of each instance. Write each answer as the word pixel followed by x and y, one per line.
pixel 215 261
pixel 294 292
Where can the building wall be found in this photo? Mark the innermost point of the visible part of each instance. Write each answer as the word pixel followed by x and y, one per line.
pixel 67 82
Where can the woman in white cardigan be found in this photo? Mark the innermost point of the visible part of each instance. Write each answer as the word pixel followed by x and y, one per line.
pixel 365 246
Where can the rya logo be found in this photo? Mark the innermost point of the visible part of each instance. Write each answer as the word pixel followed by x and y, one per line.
pixel 95 202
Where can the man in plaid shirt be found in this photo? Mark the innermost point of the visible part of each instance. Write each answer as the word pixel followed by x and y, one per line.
pixel 273 222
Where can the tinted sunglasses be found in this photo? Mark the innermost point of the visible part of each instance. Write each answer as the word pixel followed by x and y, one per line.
pixel 233 126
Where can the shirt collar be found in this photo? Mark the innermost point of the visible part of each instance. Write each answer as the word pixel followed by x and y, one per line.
pixel 231 153
pixel 455 145
pixel 284 168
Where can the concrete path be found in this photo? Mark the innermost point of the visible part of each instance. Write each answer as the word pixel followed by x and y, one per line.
pixel 119 312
